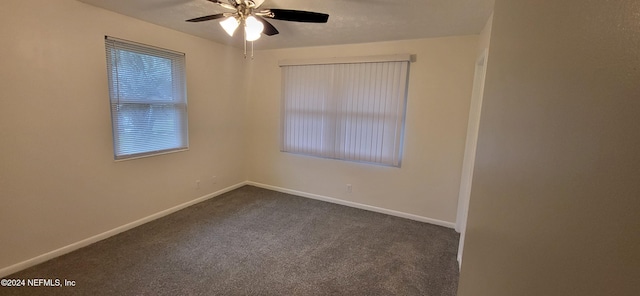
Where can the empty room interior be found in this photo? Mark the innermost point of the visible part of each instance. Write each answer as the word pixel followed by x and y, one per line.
pixel 342 147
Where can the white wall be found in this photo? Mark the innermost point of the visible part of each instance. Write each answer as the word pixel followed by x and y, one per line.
pixel 59 183
pixel 555 198
pixel 438 106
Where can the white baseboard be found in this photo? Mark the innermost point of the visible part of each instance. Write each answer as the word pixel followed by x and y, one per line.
pixel 355 205
pixel 85 242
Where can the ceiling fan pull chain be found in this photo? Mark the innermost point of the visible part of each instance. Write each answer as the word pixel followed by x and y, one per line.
pixel 245 44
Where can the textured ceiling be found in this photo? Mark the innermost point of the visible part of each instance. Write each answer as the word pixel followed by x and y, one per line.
pixel 350 21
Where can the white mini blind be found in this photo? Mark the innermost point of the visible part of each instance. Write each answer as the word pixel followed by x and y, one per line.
pixel 148 99
pixel 348 111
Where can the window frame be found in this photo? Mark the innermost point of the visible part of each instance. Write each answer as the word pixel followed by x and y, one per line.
pixel 178 102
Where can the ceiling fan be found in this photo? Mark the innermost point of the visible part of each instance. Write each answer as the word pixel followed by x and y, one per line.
pixel 248 14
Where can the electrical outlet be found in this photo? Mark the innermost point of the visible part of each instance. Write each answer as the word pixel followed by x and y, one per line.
pixel 214 180
pixel 349 188
pixel 197 184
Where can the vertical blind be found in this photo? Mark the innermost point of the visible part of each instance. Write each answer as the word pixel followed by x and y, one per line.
pixel 348 111
pixel 148 99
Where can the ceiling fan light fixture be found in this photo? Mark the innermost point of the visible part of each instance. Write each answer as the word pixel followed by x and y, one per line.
pixel 252 36
pixel 253 28
pixel 230 25
pixel 252 20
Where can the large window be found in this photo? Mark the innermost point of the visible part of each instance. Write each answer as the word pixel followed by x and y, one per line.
pixel 349 111
pixel 148 99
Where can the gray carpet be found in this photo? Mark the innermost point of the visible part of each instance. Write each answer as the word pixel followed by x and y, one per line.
pixel 253 241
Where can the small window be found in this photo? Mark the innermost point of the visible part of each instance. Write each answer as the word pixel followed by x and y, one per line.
pixel 148 99
pixel 347 111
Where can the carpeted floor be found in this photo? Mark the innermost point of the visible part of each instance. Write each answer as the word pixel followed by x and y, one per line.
pixel 253 241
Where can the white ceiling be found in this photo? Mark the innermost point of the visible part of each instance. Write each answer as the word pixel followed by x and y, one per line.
pixel 350 21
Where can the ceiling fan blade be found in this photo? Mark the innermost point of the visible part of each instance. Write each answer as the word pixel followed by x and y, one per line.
pixel 206 18
pixel 224 4
pixel 269 29
pixel 299 16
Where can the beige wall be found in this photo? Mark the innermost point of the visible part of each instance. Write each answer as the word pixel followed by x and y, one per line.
pixel 59 183
pixel 438 106
pixel 555 198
